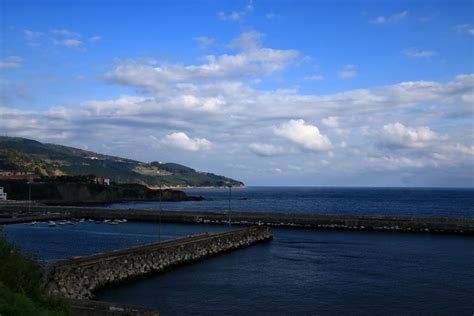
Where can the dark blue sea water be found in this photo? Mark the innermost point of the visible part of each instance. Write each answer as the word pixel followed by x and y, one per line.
pixel 81 239
pixel 319 273
pixel 299 272
pixel 356 201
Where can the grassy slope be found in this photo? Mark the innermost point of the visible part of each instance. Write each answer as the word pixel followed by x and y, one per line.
pixel 21 290
pixel 28 155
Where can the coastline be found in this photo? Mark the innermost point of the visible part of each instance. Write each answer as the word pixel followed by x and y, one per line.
pixel 195 187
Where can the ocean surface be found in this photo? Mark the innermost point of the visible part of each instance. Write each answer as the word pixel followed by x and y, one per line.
pixel 356 201
pixel 304 272
pixel 300 271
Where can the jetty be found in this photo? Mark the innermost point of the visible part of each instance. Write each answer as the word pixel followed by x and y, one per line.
pixel 80 277
pixel 441 225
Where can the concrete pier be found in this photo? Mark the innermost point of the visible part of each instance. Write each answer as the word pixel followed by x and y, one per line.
pixel 78 278
pixel 440 225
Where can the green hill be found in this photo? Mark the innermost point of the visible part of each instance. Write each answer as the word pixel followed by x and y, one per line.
pixel 20 154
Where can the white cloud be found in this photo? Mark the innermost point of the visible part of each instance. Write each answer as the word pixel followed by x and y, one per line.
pixel 252 61
pixel 31 35
pixel 69 43
pixel 266 150
pixel 399 135
pixel 331 121
pixel 215 99
pixel 182 141
pixel 427 18
pixel 419 147
pixel 413 52
pixel 347 72
pixel 207 104
pixel 63 32
pixel 396 163
pixel 304 135
pixel 11 62
pixel 314 78
pixel 95 38
pixel 390 19
pixel 204 41
pixel 235 16
pixel 271 15
pixel 464 28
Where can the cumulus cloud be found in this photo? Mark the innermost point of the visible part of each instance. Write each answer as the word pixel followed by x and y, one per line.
pixel 306 136
pixel 399 135
pixel 381 19
pixel 64 32
pixel 331 121
pixel 266 150
pixel 347 72
pixel 217 100
pixel 182 141
pixel 69 42
pixel 10 62
pixel 418 147
pixel 252 61
pixel 413 52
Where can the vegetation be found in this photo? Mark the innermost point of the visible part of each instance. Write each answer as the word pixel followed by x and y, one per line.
pixel 20 154
pixel 21 288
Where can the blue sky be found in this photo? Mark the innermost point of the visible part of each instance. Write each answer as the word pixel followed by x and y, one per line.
pixel 270 92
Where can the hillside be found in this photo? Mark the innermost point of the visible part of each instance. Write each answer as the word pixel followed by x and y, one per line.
pixel 20 154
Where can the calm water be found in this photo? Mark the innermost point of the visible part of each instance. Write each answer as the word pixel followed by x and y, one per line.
pixel 64 241
pixel 358 201
pixel 310 272
pixel 299 272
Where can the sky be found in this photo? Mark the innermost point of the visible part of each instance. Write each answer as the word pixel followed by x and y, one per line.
pixel 310 93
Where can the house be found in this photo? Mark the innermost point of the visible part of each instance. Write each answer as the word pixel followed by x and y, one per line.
pixel 3 195
pixel 102 180
pixel 11 175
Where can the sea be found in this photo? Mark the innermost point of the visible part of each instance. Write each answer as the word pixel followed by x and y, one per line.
pixel 299 272
pixel 433 202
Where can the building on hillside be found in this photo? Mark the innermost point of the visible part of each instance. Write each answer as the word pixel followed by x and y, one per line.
pixel 10 175
pixel 102 180
pixel 3 195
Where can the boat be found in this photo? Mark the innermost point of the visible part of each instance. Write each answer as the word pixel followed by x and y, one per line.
pixel 51 224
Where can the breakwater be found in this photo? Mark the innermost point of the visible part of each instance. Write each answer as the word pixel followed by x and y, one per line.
pixel 78 278
pixel 443 225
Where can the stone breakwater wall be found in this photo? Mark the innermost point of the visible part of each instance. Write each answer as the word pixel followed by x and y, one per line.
pixel 79 278
pixel 440 225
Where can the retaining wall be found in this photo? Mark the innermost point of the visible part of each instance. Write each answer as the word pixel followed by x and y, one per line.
pixel 79 278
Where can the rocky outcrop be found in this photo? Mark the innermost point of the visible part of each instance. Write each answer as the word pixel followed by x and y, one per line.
pixel 74 193
pixel 78 278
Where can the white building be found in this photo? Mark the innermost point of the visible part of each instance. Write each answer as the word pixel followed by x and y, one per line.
pixel 3 195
